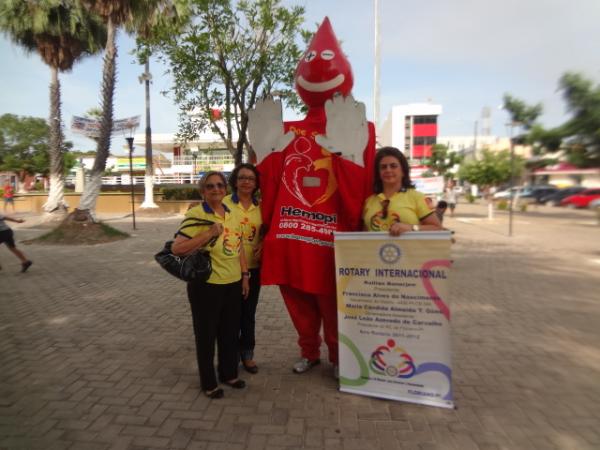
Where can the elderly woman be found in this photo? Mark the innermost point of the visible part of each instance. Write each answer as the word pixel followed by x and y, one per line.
pixel 244 204
pixel 396 206
pixel 215 304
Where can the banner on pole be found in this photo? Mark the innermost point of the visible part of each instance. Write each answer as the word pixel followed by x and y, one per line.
pixel 393 317
pixel 91 127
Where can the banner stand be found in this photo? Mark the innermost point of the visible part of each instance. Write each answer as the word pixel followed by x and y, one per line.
pixel 393 316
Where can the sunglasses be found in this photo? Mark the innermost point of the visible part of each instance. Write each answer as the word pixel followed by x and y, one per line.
pixel 384 212
pixel 245 178
pixel 211 186
pixel 390 165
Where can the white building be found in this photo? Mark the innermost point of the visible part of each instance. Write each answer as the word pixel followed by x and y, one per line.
pixel 412 128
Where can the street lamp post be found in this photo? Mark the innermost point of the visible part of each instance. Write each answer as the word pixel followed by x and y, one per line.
pixel 194 152
pixel 130 144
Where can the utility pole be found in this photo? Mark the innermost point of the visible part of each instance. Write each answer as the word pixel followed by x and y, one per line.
pixel 377 64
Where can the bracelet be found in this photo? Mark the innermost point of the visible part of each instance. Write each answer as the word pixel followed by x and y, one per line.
pixel 246 274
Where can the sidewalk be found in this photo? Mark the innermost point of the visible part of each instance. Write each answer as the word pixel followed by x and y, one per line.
pixel 97 352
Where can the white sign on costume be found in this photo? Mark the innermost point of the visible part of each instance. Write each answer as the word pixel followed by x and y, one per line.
pixel 393 319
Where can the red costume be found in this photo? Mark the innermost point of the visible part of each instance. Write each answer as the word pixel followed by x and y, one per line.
pixel 308 193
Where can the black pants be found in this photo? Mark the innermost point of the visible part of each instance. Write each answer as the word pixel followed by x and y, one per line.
pixel 216 317
pixel 248 319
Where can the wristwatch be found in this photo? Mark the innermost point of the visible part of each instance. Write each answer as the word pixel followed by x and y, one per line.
pixel 416 227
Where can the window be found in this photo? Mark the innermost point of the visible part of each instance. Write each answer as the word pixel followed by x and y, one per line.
pixel 425 119
pixel 424 140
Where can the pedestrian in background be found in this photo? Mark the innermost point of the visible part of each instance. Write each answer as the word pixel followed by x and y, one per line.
pixel 8 194
pixel 7 237
pixel 245 206
pixel 450 197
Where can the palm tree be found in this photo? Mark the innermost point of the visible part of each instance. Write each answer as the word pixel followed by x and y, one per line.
pixel 61 32
pixel 131 15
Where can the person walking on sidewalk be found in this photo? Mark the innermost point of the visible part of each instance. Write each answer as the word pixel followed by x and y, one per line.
pixel 7 237
pixel 8 194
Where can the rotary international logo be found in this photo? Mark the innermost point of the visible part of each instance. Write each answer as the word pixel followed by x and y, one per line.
pixel 390 253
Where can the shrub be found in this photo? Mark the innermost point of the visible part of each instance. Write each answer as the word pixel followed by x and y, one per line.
pixel 184 193
pixel 502 205
pixel 470 197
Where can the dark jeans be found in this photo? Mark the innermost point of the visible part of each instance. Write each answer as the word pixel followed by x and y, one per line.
pixel 216 318
pixel 248 322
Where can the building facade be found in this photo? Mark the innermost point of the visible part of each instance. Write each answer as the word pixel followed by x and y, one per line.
pixel 412 128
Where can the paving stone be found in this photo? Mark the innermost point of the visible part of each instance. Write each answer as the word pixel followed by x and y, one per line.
pixel 108 361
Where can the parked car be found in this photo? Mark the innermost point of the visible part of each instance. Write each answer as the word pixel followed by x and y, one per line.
pixel 554 198
pixel 581 200
pixel 535 193
pixel 505 194
pixel 594 204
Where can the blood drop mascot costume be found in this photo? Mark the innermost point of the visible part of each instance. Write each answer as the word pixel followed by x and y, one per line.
pixel 315 174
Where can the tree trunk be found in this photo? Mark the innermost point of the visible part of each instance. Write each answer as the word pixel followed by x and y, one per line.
pixel 56 202
pixel 92 188
pixel 149 177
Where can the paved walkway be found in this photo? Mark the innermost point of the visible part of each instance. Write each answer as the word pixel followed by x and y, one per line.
pixel 96 352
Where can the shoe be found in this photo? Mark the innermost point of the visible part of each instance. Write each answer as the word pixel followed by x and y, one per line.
pixel 304 365
pixel 250 366
pixel 336 372
pixel 215 393
pixel 236 384
pixel 26 265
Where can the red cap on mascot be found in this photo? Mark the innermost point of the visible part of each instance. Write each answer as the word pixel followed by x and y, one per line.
pixel 324 69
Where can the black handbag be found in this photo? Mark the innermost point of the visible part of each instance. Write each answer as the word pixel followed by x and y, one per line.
pixel 193 267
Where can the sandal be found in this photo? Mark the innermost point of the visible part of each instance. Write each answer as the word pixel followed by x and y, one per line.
pixel 214 393
pixel 236 384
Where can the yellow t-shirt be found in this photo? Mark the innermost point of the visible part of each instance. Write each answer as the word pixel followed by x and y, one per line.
pixel 225 253
pixel 405 207
pixel 250 221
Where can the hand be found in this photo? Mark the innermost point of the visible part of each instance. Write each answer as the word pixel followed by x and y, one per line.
pixel 216 229
pixel 347 131
pixel 398 228
pixel 245 287
pixel 258 252
pixel 265 128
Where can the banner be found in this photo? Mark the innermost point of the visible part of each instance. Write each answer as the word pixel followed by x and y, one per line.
pixel 393 319
pixel 430 185
pixel 91 127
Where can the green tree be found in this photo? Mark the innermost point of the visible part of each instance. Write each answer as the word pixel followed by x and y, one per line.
pixel 25 146
pixel 232 54
pixel 582 130
pixel 442 160
pixel 61 32
pixel 521 114
pixel 492 169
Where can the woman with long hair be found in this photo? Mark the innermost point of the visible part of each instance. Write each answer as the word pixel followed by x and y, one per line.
pixel 396 206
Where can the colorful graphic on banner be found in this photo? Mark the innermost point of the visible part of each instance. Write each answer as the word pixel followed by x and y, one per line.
pixel 393 319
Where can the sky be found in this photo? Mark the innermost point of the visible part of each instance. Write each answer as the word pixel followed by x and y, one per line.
pixel 462 54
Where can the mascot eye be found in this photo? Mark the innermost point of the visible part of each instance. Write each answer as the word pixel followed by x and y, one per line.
pixel 327 55
pixel 310 56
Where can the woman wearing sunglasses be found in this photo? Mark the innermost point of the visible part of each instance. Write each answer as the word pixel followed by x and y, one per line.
pixel 215 304
pixel 396 206
pixel 244 203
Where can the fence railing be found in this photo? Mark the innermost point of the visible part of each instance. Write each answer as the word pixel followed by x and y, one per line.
pixel 124 179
